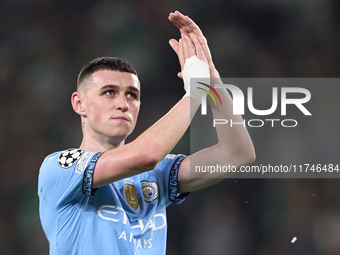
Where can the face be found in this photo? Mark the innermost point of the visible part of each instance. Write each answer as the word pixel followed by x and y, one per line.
pixel 111 103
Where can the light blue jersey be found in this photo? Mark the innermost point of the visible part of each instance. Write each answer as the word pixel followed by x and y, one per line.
pixel 125 217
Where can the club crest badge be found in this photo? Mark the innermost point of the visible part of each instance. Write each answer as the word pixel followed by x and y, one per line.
pixel 131 196
pixel 69 157
pixel 150 191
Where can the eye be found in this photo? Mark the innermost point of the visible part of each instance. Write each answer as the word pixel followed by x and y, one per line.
pixel 109 93
pixel 131 95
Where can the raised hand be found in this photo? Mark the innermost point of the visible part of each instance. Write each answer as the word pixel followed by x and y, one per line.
pixel 188 27
pixel 189 47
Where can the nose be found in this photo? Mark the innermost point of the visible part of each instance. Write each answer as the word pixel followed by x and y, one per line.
pixel 121 103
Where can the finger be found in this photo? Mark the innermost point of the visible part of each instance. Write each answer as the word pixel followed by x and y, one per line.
pixel 180 75
pixel 174 45
pixel 181 57
pixel 180 18
pixel 186 53
pixel 186 25
pixel 205 48
pixel 198 47
pixel 190 47
pixel 175 20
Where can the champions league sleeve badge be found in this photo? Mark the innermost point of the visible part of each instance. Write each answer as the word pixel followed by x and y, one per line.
pixel 150 191
pixel 67 158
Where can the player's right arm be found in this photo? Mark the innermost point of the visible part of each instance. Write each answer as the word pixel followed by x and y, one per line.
pixel 145 152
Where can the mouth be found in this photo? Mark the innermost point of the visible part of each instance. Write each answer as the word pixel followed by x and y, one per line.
pixel 120 118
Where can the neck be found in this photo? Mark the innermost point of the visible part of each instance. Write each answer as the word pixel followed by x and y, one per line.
pixel 95 146
pixel 100 143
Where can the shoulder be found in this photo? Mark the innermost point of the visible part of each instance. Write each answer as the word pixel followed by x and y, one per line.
pixel 69 157
pixel 64 170
pixel 64 160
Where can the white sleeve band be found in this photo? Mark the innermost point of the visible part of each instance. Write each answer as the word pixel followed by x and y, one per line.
pixel 195 68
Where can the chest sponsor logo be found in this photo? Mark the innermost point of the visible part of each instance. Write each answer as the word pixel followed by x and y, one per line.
pixel 69 157
pixel 131 196
pixel 82 162
pixel 150 191
pixel 138 232
pixel 118 214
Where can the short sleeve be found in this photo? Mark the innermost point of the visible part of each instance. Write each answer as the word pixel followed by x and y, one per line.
pixel 174 196
pixel 169 168
pixel 65 177
pixel 88 175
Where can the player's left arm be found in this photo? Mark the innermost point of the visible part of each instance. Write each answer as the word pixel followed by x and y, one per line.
pixel 234 147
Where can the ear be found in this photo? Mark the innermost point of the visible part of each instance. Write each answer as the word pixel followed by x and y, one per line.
pixel 77 100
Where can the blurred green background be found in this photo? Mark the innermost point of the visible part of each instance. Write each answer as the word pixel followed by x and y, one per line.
pixel 44 44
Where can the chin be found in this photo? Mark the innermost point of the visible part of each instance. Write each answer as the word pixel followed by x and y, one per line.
pixel 119 136
pixel 117 139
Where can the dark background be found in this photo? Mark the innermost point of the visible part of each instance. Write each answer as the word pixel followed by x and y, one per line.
pixel 44 44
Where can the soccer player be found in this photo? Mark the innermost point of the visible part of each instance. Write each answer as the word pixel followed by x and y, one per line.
pixel 107 197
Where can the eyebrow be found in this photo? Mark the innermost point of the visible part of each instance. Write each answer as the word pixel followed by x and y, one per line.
pixel 111 86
